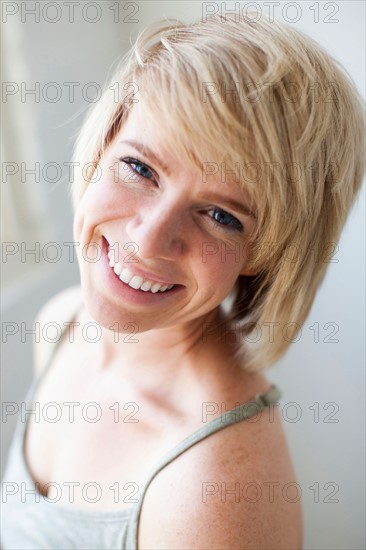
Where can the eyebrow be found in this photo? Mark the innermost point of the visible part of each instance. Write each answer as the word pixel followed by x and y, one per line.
pixel 148 153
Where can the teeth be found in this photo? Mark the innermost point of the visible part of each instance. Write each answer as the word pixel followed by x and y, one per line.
pixel 126 275
pixel 135 281
pixel 146 286
pixel 111 256
pixel 155 287
pixel 118 269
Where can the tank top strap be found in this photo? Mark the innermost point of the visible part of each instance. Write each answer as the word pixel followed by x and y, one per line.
pixel 239 413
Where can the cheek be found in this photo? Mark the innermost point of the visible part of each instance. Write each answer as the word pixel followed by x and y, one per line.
pixel 217 274
pixel 97 205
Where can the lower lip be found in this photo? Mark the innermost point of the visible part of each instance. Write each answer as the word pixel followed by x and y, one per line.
pixel 127 292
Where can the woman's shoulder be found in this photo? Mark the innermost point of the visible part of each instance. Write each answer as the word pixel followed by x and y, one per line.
pixel 56 313
pixel 240 481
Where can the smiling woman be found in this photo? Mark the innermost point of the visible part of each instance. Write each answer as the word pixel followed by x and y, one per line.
pixel 169 215
pixel 203 177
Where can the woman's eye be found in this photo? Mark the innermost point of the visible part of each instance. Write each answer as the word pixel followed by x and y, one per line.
pixel 223 218
pixel 138 168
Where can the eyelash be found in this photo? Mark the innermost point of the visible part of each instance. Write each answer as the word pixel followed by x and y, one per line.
pixel 131 161
pixel 235 224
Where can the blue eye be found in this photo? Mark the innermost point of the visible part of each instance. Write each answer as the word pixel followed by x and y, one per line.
pixel 139 168
pixel 222 218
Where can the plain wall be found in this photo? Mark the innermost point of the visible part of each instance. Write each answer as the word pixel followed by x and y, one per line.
pixel 314 375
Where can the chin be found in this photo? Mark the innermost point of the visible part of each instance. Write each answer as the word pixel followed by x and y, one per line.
pixel 112 317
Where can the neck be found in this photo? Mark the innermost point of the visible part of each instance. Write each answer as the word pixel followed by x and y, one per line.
pixel 162 365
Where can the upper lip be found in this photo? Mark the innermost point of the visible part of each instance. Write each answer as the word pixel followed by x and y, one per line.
pixel 146 275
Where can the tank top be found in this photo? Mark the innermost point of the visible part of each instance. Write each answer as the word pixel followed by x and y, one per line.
pixel 32 521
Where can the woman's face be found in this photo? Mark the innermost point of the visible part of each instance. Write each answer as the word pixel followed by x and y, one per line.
pixel 166 223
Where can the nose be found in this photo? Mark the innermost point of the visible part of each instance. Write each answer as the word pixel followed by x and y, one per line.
pixel 157 230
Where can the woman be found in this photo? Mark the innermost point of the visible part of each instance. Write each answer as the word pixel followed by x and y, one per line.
pixel 220 164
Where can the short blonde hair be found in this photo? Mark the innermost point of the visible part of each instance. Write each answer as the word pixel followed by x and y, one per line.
pixel 263 97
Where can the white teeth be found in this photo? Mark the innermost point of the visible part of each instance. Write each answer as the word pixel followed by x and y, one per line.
pixel 118 269
pixel 126 275
pixel 146 285
pixel 111 256
pixel 135 281
pixel 155 287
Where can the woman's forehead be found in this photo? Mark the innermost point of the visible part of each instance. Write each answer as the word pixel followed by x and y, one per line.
pixel 142 132
pixel 162 138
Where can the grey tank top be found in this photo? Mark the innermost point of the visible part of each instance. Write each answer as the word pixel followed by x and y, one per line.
pixel 32 521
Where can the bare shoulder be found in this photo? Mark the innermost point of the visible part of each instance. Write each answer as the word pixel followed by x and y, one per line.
pixel 58 310
pixel 235 489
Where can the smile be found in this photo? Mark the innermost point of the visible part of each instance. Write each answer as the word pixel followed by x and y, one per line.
pixel 135 281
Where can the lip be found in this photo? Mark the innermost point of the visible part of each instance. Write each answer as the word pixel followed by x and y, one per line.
pixel 129 293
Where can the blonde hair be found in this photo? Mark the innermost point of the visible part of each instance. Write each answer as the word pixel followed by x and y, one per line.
pixel 259 95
